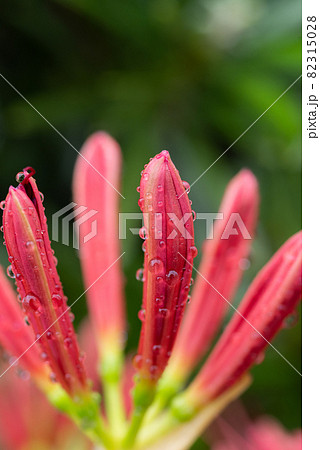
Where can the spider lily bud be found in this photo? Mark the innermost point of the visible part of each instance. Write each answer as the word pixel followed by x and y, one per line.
pixel 95 184
pixel 219 275
pixel 15 336
pixel 273 295
pixel 34 268
pixel 169 252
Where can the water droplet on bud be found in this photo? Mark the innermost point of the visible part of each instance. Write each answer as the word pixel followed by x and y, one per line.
pixel 30 301
pixel 10 272
pixel 137 361
pixel 140 275
pixel 186 185
pixel 291 321
pixel 162 244
pixel 41 196
pixel 172 277
pixel 193 251
pixel 155 265
pixel 56 300
pixel 143 233
pixel 20 177
pixel 3 204
pixel 142 314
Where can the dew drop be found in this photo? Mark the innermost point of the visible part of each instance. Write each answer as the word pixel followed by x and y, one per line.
pixel 44 356
pixel 49 335
pixel 67 342
pixel 144 246
pixel 143 233
pixel 10 272
pixel 1 228
pixel 172 277
pixel 71 316
pixel 26 320
pixel 160 203
pixel 149 195
pixel 156 349
pixel 41 196
pixel 3 204
pixel 55 260
pixel 155 265
pixel 56 300
pixel 141 203
pixel 160 188
pixel 162 244
pixel 32 302
pixel 53 378
pixel 194 215
pixel 244 264
pixel 140 275
pixel 20 177
pixel 138 189
pixel 186 185
pixel 291 321
pixel 188 299
pixel 146 176
pixel 137 361
pixel 193 251
pixel 163 312
pixel 142 314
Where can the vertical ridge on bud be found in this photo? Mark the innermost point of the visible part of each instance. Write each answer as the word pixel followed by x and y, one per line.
pixel 15 336
pixel 169 252
pixel 221 268
pixel 34 268
pixel 272 296
pixel 95 183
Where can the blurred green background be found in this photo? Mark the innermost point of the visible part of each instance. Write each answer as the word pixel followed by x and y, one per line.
pixel 188 76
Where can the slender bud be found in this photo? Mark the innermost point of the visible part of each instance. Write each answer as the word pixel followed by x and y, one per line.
pixel 271 298
pixel 96 182
pixel 169 252
pixel 16 337
pixel 34 269
pixel 220 274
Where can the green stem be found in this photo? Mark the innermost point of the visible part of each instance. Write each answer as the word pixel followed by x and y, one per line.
pixel 111 374
pixel 143 395
pixel 156 430
pixel 134 427
pixel 84 411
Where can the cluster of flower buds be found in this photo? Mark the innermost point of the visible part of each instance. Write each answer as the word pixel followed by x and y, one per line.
pixel 33 266
pixel 175 335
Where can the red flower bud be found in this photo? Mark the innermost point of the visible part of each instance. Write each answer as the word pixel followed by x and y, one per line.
pixel 15 336
pixel 221 268
pixel 34 269
pixel 95 183
pixel 273 295
pixel 169 252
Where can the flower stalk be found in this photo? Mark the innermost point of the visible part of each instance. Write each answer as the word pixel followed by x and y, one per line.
pixel 95 186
